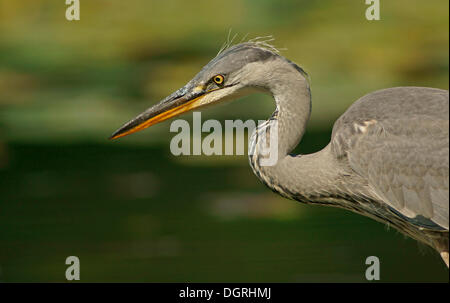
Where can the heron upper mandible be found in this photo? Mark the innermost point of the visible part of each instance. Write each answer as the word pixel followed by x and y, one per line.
pixel 388 157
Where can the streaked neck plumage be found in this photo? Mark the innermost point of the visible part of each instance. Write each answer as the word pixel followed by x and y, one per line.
pixel 300 176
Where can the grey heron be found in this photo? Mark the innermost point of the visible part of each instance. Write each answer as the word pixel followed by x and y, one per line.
pixel 388 157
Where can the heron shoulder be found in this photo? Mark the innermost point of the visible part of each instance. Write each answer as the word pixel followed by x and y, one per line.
pixel 397 139
pixel 411 112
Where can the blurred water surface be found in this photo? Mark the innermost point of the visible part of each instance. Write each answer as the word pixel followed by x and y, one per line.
pixel 133 214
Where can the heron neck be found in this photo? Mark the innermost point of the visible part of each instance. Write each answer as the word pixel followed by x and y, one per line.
pixel 293 113
pixel 291 92
pixel 292 176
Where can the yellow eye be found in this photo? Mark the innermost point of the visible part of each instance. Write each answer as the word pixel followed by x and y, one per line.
pixel 218 79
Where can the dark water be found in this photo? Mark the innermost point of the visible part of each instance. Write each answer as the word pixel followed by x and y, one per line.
pixel 138 214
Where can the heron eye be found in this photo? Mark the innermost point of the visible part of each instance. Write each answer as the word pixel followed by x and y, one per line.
pixel 218 79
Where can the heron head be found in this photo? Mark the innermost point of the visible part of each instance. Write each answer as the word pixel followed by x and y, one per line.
pixel 233 73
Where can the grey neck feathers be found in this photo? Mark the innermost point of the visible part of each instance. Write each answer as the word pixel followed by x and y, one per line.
pixel 291 176
pixel 288 86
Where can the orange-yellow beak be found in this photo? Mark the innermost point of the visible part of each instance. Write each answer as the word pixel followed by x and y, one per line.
pixel 174 105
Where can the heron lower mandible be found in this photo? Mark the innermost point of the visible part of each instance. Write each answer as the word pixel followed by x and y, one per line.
pixel 388 157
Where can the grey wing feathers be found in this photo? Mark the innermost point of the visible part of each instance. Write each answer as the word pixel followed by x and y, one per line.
pixel 398 140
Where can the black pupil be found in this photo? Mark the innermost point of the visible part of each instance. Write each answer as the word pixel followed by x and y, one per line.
pixel 218 79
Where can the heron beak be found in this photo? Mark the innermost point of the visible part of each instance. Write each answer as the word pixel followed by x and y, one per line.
pixel 179 102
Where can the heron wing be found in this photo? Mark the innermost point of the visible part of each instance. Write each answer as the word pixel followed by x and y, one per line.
pixel 398 140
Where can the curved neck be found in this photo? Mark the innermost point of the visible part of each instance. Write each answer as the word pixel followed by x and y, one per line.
pixel 285 128
pixel 293 100
pixel 298 177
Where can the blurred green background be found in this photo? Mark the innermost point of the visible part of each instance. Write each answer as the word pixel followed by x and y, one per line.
pixel 130 210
